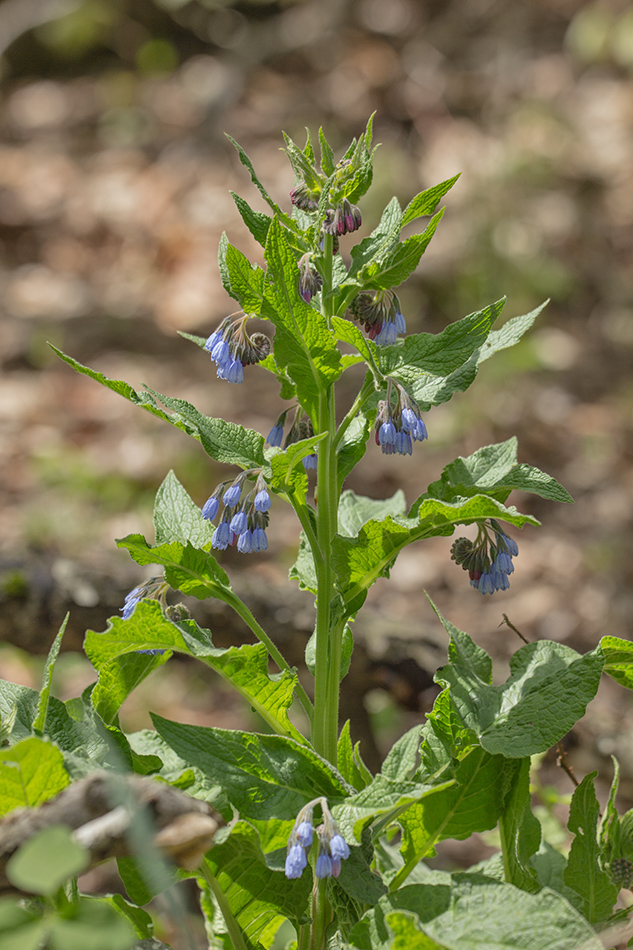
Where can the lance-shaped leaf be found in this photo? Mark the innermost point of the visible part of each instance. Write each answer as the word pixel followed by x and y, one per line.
pixel 520 831
pixel 245 280
pixel 256 222
pixel 304 347
pixel 426 201
pixel 224 441
pixel 263 776
pixel 396 266
pixel 584 873
pixel 473 802
pixel 495 470
pixel 245 667
pixel 246 162
pixel 259 898
pixel 39 723
pixel 381 240
pixel 30 773
pixel 473 912
pixel 327 155
pixel 546 693
pixel 360 561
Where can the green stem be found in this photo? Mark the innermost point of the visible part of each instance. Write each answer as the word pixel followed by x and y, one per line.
pixel 231 924
pixel 321 915
pixel 242 610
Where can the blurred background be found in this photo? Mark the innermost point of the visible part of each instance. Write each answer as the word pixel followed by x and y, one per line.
pixel 114 191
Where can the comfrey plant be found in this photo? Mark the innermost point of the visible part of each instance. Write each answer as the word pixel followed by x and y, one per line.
pixel 314 843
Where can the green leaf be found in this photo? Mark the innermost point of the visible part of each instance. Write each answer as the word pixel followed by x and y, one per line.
pixel 245 667
pixel 546 693
pixel 397 265
pixel 246 280
pixel 245 160
pixel 520 831
pixel 360 561
pixel 427 201
pixel 46 860
pixel 39 723
pixel 256 222
pixel 303 569
pixel 95 925
pixel 347 648
pixel 118 678
pixel 288 475
pixel 140 920
pixel 354 444
pixel 177 517
pixel 187 569
pixel 618 660
pixel 264 776
pixel 510 333
pixel 31 772
pixel 383 799
pixel 473 802
pixel 304 346
pixel 382 239
pixel 493 470
pixel 356 510
pixel 224 441
pixel 473 913
pixel 584 873
pixel 403 758
pixel 327 155
pixel 259 898
pixel 346 763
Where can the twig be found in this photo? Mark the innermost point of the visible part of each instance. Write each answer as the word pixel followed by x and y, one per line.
pixel 512 627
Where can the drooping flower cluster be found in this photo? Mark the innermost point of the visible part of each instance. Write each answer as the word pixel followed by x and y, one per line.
pixel 343 219
pixel 399 426
pixel 244 520
pixel 153 589
pixel 310 281
pixel 379 313
pixel 487 560
pixel 232 348
pixel 332 846
pixel 304 197
pixel 300 429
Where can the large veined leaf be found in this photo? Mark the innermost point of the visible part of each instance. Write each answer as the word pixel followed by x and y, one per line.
pixel 187 569
pixel 304 347
pixel 384 798
pixel 495 470
pixel 473 912
pixel 397 265
pixel 546 693
pixel 245 667
pixel 264 776
pixel 224 441
pixel 473 802
pixel 177 517
pixel 618 660
pixel 259 898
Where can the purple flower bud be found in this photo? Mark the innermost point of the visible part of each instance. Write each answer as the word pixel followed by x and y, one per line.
pixel 262 500
pixel 210 508
pixel 387 434
pixel 403 444
pixel 232 495
pixel 296 861
pixel 260 541
pixel 222 536
pixel 239 522
pixel 419 434
pixel 304 834
pixel 336 867
pixel 275 436
pixel 245 541
pixel 339 847
pixel 324 866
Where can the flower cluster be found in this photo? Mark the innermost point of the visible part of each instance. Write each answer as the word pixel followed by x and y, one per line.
pixel 232 348
pixel 244 520
pixel 379 313
pixel 333 848
pixel 304 197
pixel 310 281
pixel 344 219
pixel 487 560
pixel 153 589
pixel 399 426
pixel 300 429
